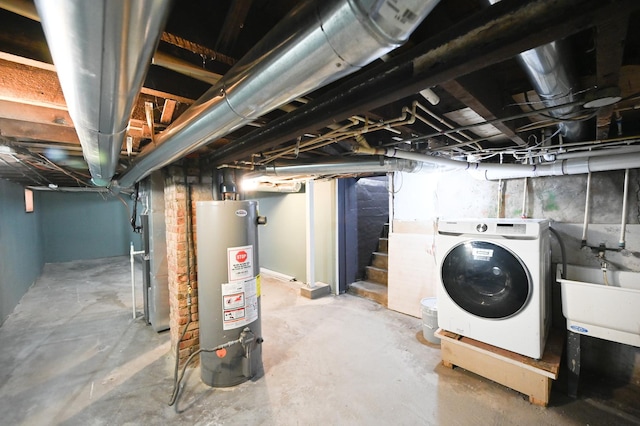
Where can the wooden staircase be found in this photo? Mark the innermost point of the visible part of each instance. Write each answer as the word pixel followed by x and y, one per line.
pixel 374 286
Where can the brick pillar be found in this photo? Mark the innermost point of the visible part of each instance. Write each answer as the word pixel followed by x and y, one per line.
pixel 176 218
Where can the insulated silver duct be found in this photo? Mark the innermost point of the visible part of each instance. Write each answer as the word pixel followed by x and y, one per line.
pixel 342 167
pixel 548 71
pixel 317 43
pixel 101 50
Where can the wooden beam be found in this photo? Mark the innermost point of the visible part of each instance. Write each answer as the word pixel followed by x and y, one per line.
pixel 16 110
pixel 148 112
pixel 167 111
pixel 197 48
pixel 610 37
pixel 233 24
pixel 37 131
pixel 36 83
pixel 483 97
pixel 166 95
pixel 30 85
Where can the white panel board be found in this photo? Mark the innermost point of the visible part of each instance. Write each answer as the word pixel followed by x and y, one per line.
pixel 412 270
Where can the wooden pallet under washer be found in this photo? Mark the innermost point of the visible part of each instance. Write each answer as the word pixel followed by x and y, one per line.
pixel 526 375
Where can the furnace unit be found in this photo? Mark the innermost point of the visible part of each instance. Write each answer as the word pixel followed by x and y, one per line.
pixel 229 291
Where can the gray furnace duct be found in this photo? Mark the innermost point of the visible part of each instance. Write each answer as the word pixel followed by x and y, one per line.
pixel 228 291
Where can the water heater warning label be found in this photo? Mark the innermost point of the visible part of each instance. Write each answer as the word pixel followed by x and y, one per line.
pixel 234 301
pixel 240 263
pixel 239 303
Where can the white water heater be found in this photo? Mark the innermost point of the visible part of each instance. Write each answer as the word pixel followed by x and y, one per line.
pixel 228 291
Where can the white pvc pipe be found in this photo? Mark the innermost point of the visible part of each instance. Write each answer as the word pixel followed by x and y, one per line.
pixel 500 199
pixel 625 194
pixel 524 198
pixel 495 171
pixel 133 283
pixel 600 153
pixel 133 279
pixel 585 223
pixel 311 273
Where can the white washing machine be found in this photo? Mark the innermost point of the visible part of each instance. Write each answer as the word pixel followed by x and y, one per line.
pixel 494 281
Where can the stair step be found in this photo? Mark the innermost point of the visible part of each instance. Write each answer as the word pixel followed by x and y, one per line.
pixel 377 275
pixel 385 231
pixel 383 245
pixel 369 290
pixel 380 260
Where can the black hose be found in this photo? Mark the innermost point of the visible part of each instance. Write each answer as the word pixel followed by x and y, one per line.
pixel 563 253
pixel 134 215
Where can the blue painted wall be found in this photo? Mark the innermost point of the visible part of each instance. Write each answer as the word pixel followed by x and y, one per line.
pixel 85 226
pixel 21 246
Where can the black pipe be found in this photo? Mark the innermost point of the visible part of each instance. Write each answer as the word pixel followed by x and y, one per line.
pixel 562 252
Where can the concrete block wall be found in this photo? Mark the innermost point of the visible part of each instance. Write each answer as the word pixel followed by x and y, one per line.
pixel 182 274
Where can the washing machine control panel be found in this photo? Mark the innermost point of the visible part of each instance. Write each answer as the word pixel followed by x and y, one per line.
pixel 482 227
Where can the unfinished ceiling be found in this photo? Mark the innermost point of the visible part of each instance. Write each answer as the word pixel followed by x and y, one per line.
pixel 482 104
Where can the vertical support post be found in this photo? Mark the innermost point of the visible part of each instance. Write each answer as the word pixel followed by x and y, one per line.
pixel 310 234
pixel 339 262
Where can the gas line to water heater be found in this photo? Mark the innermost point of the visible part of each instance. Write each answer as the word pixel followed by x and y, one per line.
pixel 246 339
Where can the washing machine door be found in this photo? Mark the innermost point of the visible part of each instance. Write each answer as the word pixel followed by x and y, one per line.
pixel 486 279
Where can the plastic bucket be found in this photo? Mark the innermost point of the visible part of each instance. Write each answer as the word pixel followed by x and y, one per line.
pixel 430 319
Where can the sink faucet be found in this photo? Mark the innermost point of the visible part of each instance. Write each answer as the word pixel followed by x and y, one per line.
pixel 601 255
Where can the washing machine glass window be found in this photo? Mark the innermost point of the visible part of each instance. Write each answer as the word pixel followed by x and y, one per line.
pixel 486 279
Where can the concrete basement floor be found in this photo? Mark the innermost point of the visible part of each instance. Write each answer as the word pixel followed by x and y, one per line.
pixel 72 354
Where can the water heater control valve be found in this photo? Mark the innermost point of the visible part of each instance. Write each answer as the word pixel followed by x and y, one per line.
pixel 261 220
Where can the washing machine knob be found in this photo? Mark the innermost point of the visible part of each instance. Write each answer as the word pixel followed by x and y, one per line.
pixel 482 227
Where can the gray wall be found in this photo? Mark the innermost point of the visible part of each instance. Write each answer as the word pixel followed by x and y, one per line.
pixel 21 246
pixel 85 226
pixel 283 240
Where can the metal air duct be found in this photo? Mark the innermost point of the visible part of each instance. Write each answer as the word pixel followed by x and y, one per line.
pixel 384 165
pixel 548 70
pixel 101 50
pixel 317 43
